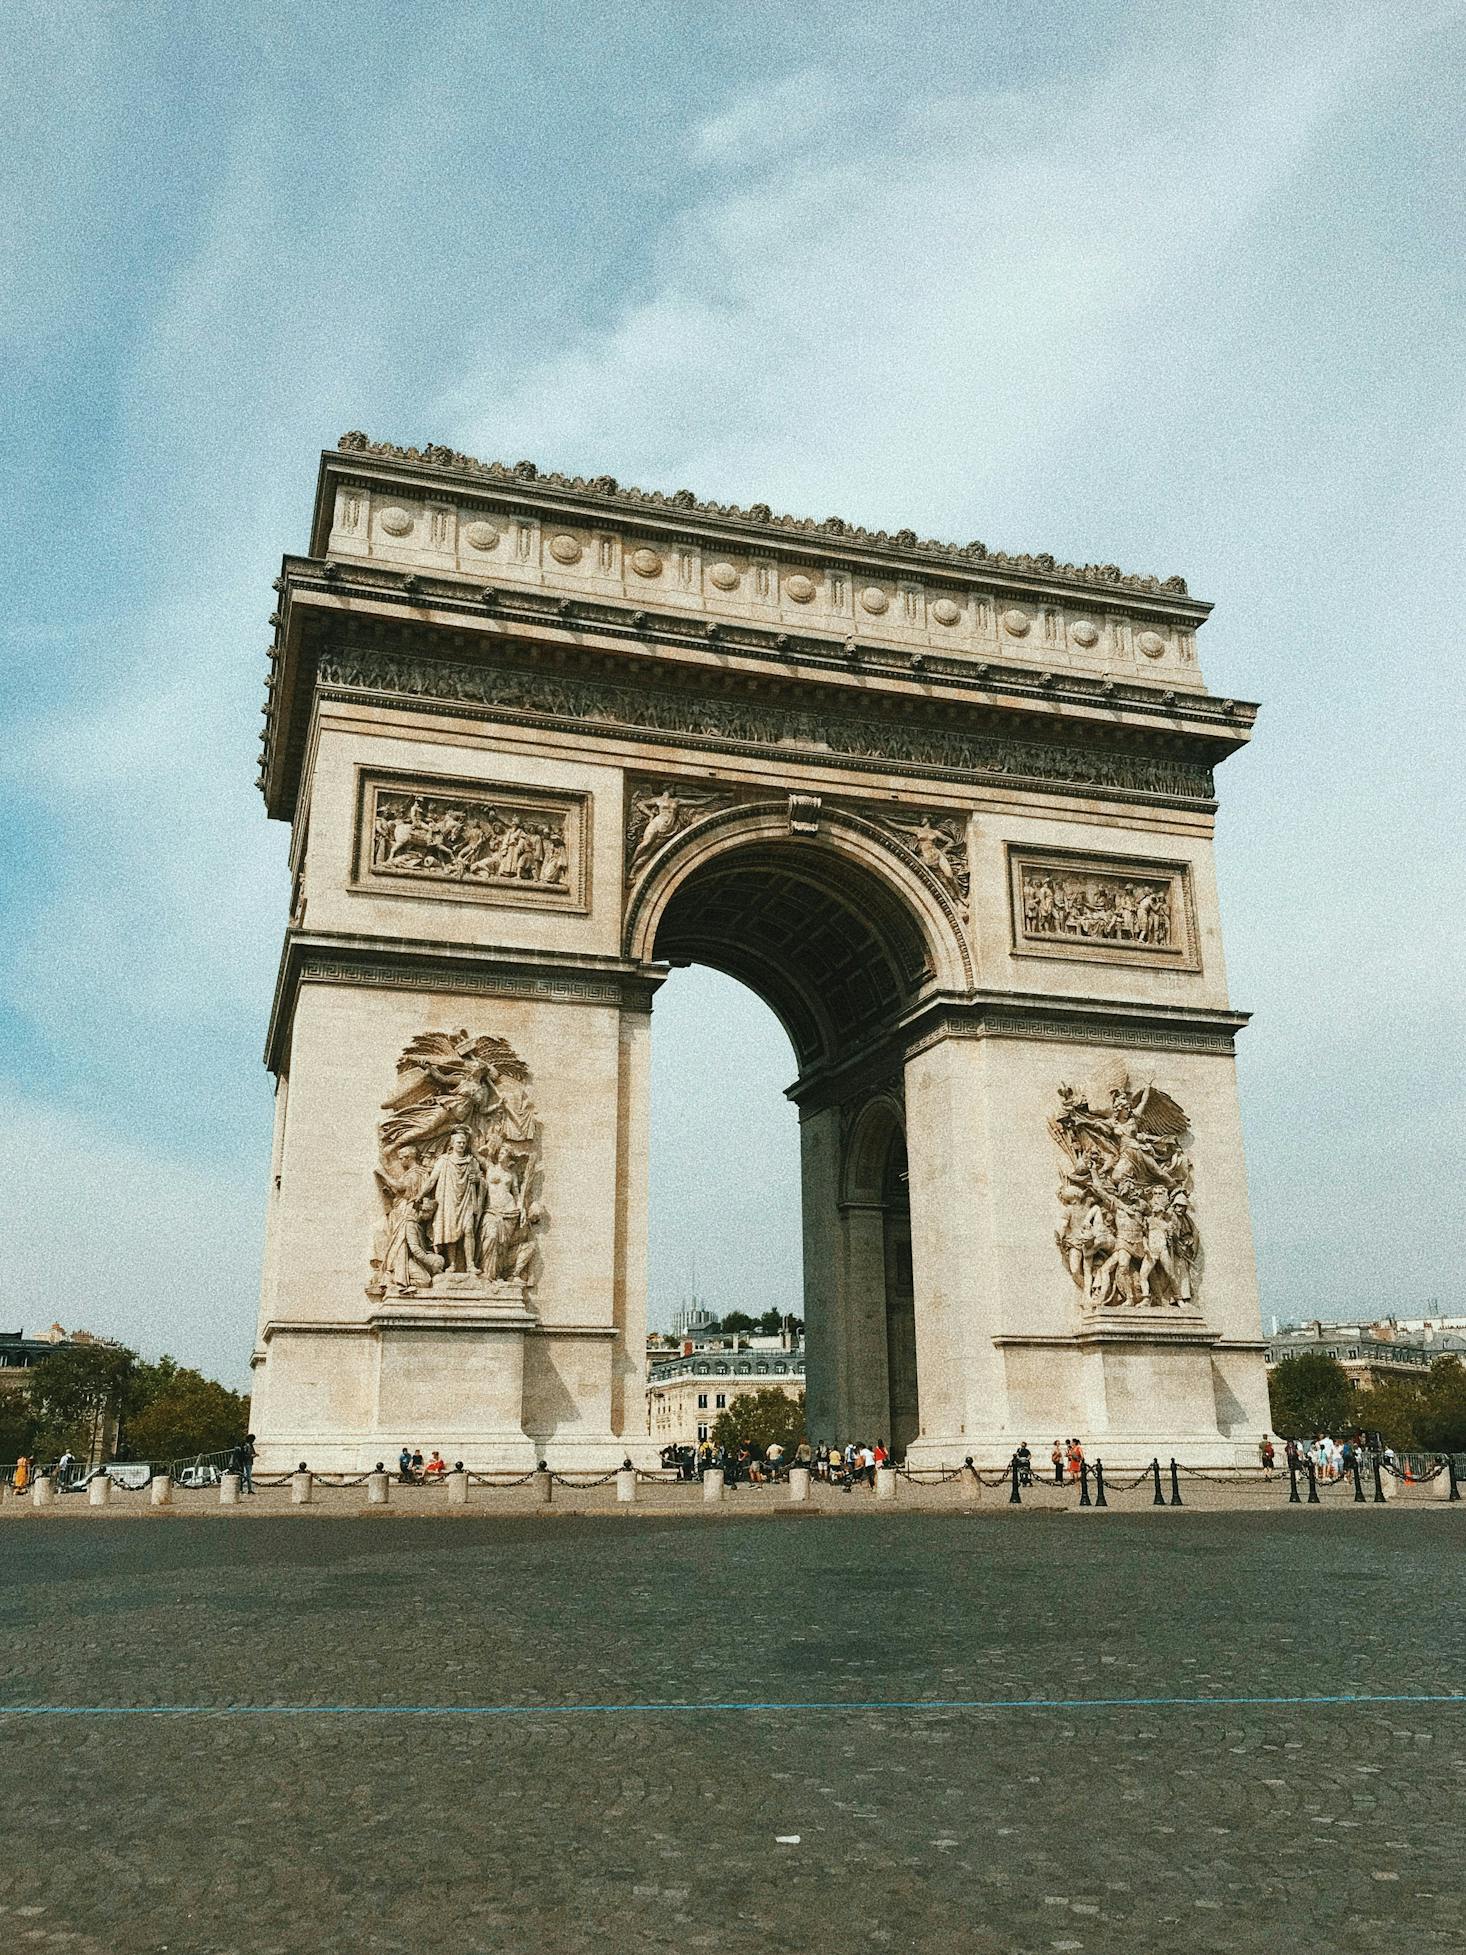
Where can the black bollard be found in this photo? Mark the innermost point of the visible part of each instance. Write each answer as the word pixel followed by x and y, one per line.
pixel 1160 1498
pixel 1175 1487
pixel 1099 1484
pixel 1358 1482
pixel 1379 1485
pixel 1084 1499
pixel 1312 1482
pixel 1015 1499
pixel 1293 1495
pixel 1454 1492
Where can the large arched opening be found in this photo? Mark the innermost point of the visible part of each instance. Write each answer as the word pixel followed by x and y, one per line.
pixel 842 947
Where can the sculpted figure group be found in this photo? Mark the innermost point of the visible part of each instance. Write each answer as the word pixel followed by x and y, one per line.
pixel 424 835
pixel 1097 909
pixel 1128 1239
pixel 458 1168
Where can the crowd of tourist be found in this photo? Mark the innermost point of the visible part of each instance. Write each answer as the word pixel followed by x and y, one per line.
pixel 750 1464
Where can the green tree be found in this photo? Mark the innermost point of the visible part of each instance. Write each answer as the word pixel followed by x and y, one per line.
pixel 1441 1421
pixel 1311 1393
pixel 78 1392
pixel 737 1320
pixel 1392 1407
pixel 764 1418
pixel 17 1424
pixel 187 1413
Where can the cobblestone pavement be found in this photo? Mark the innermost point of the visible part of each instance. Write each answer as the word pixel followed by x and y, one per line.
pixel 1123 1827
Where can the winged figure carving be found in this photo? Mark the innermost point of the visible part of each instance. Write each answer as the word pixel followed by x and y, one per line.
pixel 458 1167
pixel 1129 1237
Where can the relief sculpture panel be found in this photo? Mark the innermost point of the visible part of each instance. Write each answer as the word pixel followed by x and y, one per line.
pixel 1102 909
pixel 469 840
pixel 458 1171
pixel 1128 1238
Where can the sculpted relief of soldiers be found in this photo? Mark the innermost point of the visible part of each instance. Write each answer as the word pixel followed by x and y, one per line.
pixel 468 841
pixel 1128 1238
pixel 458 1170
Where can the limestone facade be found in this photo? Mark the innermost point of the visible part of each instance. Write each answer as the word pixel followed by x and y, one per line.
pixel 950 813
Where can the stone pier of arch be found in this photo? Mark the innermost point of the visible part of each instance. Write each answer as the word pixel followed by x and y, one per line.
pixel 949 814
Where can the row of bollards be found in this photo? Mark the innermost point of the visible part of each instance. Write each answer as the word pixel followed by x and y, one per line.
pixel 714 1485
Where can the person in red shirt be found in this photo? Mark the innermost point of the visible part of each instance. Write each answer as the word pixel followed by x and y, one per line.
pixel 437 1464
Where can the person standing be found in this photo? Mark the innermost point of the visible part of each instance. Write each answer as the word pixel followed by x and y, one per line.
pixel 245 1454
pixel 1057 1456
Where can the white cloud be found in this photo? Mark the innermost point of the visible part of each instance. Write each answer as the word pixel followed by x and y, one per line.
pixel 911 323
pixel 141 1245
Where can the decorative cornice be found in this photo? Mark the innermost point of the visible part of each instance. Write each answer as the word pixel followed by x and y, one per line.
pixel 1072 1021
pixel 678 716
pixel 607 492
pixel 393 964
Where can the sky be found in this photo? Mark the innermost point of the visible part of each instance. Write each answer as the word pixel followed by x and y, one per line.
pixel 1171 286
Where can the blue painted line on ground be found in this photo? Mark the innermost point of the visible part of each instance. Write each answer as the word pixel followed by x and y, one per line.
pixel 697 1709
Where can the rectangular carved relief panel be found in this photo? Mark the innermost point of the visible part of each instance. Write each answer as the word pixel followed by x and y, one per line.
pixel 470 841
pixel 1104 909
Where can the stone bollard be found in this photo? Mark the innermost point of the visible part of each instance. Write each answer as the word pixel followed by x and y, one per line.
pixel 43 1493
pixel 712 1484
pixel 458 1488
pixel 99 1490
pixel 229 1490
pixel 377 1484
pixel 160 1490
pixel 626 1484
pixel 798 1484
pixel 301 1483
pixel 544 1485
pixel 885 1483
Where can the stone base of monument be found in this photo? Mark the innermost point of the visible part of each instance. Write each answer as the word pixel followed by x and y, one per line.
pixel 1131 1386
pixel 465 1365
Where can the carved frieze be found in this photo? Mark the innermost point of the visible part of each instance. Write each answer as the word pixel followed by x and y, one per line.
pixel 1103 909
pixel 1128 1237
pixel 467 839
pixel 458 1172
pixel 682 717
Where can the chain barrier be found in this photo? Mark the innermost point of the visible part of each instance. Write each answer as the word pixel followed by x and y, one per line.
pixel 934 1476
pixel 584 1486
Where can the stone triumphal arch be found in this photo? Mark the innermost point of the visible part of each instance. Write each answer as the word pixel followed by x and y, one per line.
pixel 949 812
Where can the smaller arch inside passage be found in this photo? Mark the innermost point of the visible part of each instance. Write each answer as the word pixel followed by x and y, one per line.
pixel 881 1289
pixel 823 940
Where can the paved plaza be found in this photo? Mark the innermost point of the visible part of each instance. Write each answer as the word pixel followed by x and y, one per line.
pixel 1087 1820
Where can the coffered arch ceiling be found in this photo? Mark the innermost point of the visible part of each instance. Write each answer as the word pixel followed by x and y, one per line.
pixel 820 938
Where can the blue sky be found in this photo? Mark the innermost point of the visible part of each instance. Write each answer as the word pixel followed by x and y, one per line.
pixel 1169 286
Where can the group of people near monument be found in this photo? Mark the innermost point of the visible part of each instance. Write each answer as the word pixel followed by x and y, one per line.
pixel 748 1463
pixel 413 1469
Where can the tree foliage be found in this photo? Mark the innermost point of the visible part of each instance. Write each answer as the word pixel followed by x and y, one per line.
pixel 188 1414
pixel 79 1393
pixel 762 1418
pixel 76 1393
pixel 1311 1393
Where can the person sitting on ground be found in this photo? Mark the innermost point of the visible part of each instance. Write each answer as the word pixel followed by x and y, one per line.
pixel 416 1464
pixel 437 1464
pixel 404 1465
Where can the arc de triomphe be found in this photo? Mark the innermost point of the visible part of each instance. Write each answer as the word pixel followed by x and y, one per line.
pixel 949 812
